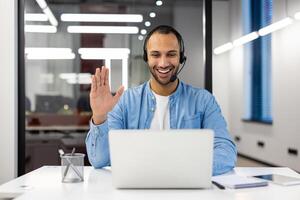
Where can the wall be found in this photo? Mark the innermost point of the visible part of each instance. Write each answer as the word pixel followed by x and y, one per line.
pixel 284 133
pixel 193 72
pixel 8 88
pixel 221 35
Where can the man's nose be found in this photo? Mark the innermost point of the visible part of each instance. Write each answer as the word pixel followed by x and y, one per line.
pixel 163 61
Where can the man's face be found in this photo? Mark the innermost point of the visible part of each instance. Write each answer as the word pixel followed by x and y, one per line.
pixel 163 56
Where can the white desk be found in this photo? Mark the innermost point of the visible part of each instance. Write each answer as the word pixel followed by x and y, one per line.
pixel 45 183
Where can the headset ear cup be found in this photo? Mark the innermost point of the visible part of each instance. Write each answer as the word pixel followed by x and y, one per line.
pixel 182 57
pixel 145 57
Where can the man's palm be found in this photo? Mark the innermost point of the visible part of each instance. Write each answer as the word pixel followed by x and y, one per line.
pixel 101 99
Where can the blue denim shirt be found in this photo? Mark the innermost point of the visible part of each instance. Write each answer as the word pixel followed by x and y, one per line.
pixel 190 108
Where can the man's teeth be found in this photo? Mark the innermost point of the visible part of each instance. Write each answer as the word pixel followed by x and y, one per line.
pixel 163 71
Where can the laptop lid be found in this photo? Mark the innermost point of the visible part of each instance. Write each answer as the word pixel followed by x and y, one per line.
pixel 161 159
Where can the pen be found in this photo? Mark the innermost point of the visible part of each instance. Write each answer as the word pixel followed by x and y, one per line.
pixel 68 166
pixel 221 187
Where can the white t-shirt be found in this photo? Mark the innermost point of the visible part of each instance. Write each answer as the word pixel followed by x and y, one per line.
pixel 161 118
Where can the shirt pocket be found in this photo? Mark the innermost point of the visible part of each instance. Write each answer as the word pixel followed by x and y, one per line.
pixel 192 121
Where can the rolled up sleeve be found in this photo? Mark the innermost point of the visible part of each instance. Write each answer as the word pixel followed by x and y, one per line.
pixel 97 145
pixel 225 152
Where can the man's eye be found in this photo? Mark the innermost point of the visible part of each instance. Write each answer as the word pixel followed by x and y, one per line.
pixel 172 54
pixel 155 55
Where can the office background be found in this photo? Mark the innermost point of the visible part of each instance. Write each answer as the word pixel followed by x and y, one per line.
pixel 276 143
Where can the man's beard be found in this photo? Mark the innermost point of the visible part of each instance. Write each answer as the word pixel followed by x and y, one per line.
pixel 152 71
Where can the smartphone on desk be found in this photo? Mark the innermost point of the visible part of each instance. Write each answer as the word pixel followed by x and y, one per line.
pixel 280 179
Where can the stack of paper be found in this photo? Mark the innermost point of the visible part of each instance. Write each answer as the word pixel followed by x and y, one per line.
pixel 235 181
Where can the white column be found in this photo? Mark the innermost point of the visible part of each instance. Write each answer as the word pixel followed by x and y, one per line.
pixel 8 88
pixel 108 65
pixel 125 73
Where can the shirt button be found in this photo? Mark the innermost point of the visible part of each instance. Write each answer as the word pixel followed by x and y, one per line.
pixel 152 97
pixel 93 145
pixel 152 109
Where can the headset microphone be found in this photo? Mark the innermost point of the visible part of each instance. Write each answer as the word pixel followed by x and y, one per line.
pixel 174 77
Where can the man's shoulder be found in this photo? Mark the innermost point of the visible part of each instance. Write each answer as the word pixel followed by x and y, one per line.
pixel 195 91
pixel 135 91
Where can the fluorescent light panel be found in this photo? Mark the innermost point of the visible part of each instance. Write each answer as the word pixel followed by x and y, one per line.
pixel 42 4
pixel 223 48
pixel 73 78
pixel 48 12
pixel 297 16
pixel 33 53
pixel 47 50
pixel 74 75
pixel 275 26
pixel 104 29
pixel 32 56
pixel 37 17
pixel 101 17
pixel 40 29
pixel 245 39
pixel 103 53
pixel 50 16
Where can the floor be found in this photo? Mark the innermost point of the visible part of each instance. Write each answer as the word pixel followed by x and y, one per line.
pixel 246 162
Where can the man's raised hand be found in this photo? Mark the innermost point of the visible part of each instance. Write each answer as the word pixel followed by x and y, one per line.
pixel 101 99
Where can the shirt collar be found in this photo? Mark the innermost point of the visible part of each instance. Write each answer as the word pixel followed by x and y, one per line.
pixel 174 95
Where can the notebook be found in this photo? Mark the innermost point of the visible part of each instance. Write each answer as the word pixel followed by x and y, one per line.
pixel 236 181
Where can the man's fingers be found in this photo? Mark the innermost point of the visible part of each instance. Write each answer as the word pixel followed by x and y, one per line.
pixel 118 93
pixel 97 76
pixel 102 75
pixel 94 84
pixel 106 77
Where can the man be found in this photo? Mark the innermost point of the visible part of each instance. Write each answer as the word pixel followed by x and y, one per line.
pixel 163 102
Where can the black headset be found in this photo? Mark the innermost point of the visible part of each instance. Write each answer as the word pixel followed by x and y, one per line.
pixel 164 29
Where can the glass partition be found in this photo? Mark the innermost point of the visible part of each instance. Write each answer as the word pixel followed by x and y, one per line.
pixel 66 40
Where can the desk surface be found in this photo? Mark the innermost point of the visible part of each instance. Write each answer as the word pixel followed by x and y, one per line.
pixel 45 183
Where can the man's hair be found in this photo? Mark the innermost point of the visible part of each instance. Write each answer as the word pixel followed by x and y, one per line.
pixel 164 29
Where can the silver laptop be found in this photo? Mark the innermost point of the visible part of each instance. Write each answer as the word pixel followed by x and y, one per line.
pixel 161 159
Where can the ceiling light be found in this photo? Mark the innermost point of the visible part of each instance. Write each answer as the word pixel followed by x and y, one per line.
pixel 223 48
pixel 73 78
pixel 42 4
pixel 143 32
pixel 275 26
pixel 73 75
pixel 103 53
pixel 141 37
pixel 152 14
pixel 297 16
pixel 101 17
pixel 47 11
pixel 38 17
pixel 47 49
pixel 159 2
pixel 46 56
pixel 147 23
pixel 40 29
pixel 50 16
pixel 44 53
pixel 246 38
pixel 103 29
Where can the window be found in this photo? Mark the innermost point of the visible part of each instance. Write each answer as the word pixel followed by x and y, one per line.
pixel 257 60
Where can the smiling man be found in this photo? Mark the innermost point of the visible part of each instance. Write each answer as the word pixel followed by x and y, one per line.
pixel 164 102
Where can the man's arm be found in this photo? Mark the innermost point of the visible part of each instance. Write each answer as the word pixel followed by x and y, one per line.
pixel 97 145
pixel 102 102
pixel 225 153
pixel 97 137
